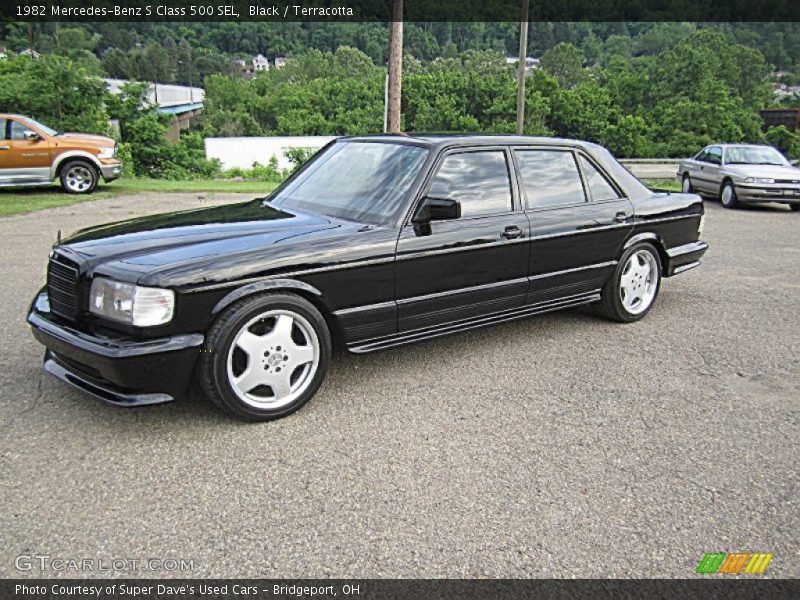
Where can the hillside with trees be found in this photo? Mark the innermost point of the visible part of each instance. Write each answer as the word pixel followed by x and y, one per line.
pixel 643 90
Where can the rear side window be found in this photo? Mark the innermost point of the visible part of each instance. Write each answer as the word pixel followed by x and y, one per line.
pixel 599 187
pixel 3 129
pixel 550 178
pixel 478 180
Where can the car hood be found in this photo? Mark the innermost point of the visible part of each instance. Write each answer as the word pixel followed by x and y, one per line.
pixel 86 138
pixel 767 171
pixel 211 235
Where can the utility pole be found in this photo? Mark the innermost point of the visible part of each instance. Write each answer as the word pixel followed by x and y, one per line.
pixel 523 54
pixel 395 68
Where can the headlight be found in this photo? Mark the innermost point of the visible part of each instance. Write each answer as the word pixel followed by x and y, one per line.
pixel 759 180
pixel 133 304
pixel 106 152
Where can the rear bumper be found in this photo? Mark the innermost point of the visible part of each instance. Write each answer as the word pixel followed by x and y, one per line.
pixel 122 372
pixel 683 258
pixel 760 193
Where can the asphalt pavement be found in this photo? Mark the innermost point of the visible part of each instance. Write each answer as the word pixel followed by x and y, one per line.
pixel 558 446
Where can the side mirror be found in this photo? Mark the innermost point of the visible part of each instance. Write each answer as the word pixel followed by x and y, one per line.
pixel 31 136
pixel 437 209
pixel 795 163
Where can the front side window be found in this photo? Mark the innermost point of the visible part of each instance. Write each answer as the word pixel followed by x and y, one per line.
pixel 358 181
pixel 550 178
pixel 599 187
pixel 478 180
pixel 715 155
pixel 18 131
pixel 3 123
pixel 41 127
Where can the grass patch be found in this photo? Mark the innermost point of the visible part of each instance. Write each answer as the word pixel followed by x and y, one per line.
pixel 29 199
pixel 136 185
pixel 669 185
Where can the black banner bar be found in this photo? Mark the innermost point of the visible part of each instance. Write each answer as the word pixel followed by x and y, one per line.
pixel 368 589
pixel 414 10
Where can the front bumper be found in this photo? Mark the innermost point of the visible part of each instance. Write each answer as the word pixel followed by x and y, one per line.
pixel 111 170
pixel 767 193
pixel 122 372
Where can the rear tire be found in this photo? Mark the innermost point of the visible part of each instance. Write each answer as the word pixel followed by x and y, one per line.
pixel 632 290
pixel 727 195
pixel 265 356
pixel 79 177
pixel 686 184
pixel 794 207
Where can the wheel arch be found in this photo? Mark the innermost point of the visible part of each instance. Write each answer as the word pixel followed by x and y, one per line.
pixel 654 239
pixel 293 286
pixel 65 157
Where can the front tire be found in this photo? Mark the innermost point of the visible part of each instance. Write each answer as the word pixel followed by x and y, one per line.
pixel 727 195
pixel 631 292
pixel 79 177
pixel 265 356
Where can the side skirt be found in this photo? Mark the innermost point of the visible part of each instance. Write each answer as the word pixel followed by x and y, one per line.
pixel 409 337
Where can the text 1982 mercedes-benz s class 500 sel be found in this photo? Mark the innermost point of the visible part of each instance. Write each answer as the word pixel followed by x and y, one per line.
pixel 375 242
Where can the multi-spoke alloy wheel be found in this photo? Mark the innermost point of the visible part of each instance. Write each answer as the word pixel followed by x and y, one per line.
pixel 637 286
pixel 630 293
pixel 78 177
pixel 265 356
pixel 273 359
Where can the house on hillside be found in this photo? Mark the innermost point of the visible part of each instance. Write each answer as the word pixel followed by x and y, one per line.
pixel 29 52
pixel 260 63
pixel 531 63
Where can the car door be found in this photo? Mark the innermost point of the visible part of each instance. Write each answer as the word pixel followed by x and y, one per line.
pixel 23 159
pixel 579 220
pixel 461 268
pixel 706 176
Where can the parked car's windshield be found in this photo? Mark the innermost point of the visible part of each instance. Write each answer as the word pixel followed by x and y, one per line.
pixel 45 128
pixel 754 155
pixel 359 181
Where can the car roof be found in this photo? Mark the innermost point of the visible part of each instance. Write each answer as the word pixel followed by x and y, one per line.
pixel 446 140
pixel 738 145
pixel 12 116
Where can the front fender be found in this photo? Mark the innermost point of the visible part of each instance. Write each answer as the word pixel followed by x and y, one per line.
pixel 263 286
pixel 59 160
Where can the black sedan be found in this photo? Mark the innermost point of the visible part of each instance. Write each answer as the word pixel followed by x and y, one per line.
pixel 375 242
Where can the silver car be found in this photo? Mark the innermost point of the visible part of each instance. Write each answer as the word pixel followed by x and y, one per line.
pixel 740 174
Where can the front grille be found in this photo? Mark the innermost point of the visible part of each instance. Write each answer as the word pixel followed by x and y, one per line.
pixel 787 181
pixel 62 287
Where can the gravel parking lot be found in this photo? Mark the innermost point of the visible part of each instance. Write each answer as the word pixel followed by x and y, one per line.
pixel 557 446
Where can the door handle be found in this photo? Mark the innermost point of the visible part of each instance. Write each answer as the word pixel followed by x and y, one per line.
pixel 620 217
pixel 511 232
pixel 5 147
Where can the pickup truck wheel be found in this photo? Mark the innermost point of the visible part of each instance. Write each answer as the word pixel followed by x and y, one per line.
pixel 727 195
pixel 79 177
pixel 265 356
pixel 631 292
pixel 794 207
pixel 686 184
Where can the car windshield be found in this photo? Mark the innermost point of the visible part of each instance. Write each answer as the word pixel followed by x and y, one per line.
pixel 754 155
pixel 45 128
pixel 359 181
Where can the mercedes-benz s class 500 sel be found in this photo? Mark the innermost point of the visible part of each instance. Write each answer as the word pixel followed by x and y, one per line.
pixel 375 242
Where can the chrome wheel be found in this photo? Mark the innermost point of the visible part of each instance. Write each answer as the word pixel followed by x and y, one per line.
pixel 273 359
pixel 639 282
pixel 79 179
